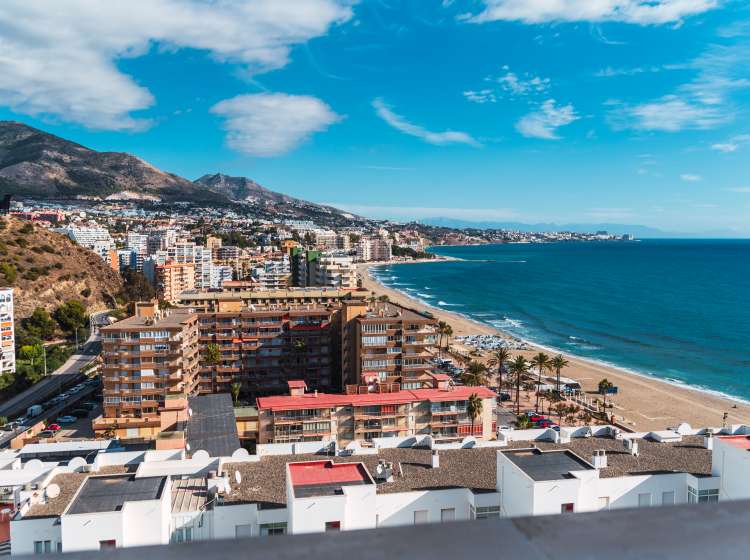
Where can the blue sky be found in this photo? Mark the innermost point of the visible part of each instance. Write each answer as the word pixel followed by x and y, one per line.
pixel 626 111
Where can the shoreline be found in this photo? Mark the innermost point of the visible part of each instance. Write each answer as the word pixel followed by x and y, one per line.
pixel 646 402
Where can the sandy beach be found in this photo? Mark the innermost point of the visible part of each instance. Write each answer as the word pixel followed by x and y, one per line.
pixel 645 403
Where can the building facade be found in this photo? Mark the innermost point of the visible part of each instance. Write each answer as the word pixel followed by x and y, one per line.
pixel 7 332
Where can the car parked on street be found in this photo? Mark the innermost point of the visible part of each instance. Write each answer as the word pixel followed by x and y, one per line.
pixel 67 419
pixel 54 427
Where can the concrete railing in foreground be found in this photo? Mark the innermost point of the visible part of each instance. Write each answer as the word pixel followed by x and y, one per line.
pixel 694 532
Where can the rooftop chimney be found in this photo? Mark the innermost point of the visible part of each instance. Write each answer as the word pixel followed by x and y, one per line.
pixel 435 459
pixel 708 439
pixel 600 459
pixel 631 446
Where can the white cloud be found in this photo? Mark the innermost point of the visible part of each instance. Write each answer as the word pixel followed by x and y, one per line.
pixel 672 114
pixel 545 122
pixel 691 177
pixel 60 61
pixel 732 145
pixel 482 96
pixel 438 138
pixel 704 102
pixel 511 84
pixel 641 12
pixel 270 124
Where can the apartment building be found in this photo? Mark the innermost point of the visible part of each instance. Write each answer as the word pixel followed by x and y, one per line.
pixel 390 344
pixel 333 270
pixel 150 368
pixel 440 412
pixel 172 278
pixel 137 243
pixel 241 292
pixel 373 249
pixel 274 274
pixel 262 348
pixel 185 252
pixel 7 332
pixel 326 240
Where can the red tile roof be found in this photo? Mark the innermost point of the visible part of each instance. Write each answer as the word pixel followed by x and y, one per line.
pixel 327 400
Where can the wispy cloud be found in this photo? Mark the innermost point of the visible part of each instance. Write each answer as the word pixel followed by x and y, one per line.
pixel 482 96
pixel 271 124
pixel 62 62
pixel 732 145
pixel 703 103
pixel 438 138
pixel 544 122
pixel 641 12
pixel 517 86
pixel 613 72
pixel 691 177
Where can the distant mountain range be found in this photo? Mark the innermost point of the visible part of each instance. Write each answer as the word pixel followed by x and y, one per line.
pixel 39 165
pixel 638 231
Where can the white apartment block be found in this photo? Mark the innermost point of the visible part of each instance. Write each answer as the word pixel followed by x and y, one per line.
pixel 97 240
pixel 219 275
pixel 373 249
pixel 138 244
pixel 7 332
pixel 183 252
pixel 332 270
pixel 274 274
pixel 326 240
pixel 132 498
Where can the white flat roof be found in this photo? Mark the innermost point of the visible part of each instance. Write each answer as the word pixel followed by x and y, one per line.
pixel 65 446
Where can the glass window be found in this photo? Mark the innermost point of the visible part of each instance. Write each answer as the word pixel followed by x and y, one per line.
pixel 448 514
pixel 489 512
pixel 644 500
pixel 421 516
pixel 667 498
pixel 567 508
pixel 333 526
pixel 272 529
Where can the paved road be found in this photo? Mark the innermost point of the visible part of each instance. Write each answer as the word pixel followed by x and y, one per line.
pixel 63 376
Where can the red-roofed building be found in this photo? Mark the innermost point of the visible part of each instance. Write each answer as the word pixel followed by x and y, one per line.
pixel 440 411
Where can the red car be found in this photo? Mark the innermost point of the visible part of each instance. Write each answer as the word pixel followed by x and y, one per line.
pixel 546 423
pixel 53 427
pixel 535 418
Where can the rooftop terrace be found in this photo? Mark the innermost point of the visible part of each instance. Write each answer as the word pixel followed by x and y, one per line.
pixel 540 465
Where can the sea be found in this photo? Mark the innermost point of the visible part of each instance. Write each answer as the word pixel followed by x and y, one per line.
pixel 678 310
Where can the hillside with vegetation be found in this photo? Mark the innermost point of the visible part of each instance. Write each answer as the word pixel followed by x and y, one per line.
pixel 47 269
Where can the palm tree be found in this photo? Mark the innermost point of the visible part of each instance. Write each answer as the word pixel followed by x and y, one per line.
pixel 604 386
pixel 474 409
pixel 541 361
pixel 236 392
pixel 499 359
pixel 448 335
pixel 441 331
pixel 518 368
pixel 475 374
pixel 558 363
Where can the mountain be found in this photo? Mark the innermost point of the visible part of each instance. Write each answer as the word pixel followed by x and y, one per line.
pixel 39 165
pixel 618 229
pixel 36 164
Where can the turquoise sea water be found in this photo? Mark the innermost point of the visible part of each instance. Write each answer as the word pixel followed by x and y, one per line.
pixel 674 309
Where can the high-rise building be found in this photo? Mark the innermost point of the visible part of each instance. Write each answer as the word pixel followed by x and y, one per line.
pixel 373 249
pixel 138 244
pixel 7 333
pixel 172 279
pixel 150 368
pixel 332 270
pixel 274 274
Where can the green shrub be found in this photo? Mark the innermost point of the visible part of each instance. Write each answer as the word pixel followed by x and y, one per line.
pixel 9 271
pixel 26 228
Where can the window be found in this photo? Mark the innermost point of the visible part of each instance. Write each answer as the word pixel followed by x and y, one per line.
pixel 489 512
pixel 420 516
pixel 183 534
pixel 42 547
pixel 667 498
pixel 644 500
pixel 241 531
pixel 108 544
pixel 333 526
pixel 448 514
pixel 272 529
pixel 567 508
pixel 702 496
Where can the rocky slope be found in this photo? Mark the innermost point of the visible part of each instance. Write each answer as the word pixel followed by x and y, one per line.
pixel 37 164
pixel 47 269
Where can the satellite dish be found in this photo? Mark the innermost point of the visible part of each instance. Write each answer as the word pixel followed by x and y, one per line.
pixel 77 463
pixel 237 477
pixel 201 454
pixel 34 465
pixel 53 491
pixel 240 453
